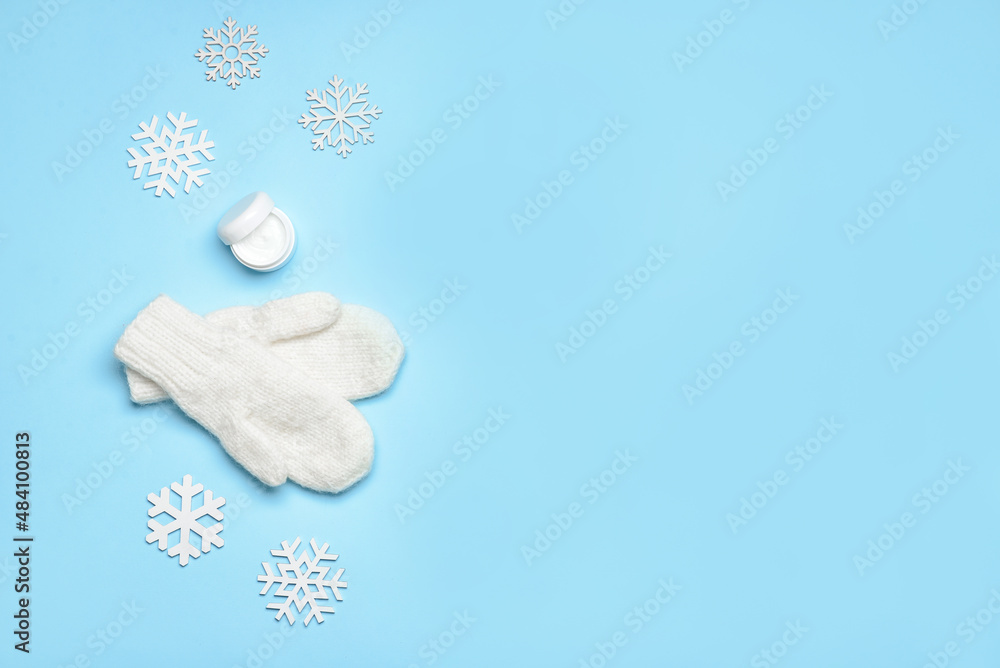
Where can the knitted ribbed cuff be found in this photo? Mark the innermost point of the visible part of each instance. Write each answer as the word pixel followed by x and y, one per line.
pixel 170 345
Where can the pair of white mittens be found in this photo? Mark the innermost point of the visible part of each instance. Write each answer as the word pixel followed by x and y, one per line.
pixel 271 383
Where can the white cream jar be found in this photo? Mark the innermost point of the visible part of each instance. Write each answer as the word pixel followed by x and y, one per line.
pixel 260 235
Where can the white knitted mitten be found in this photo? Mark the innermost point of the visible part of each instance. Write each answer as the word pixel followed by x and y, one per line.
pixel 272 418
pixel 353 350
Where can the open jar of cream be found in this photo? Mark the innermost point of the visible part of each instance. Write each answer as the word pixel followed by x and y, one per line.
pixel 260 235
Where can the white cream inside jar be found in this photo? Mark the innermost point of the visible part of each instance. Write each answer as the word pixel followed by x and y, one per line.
pixel 260 235
pixel 269 245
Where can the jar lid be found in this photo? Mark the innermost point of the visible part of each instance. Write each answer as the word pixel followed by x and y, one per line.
pixel 244 217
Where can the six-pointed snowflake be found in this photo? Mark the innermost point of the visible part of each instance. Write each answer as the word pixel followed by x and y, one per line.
pixel 231 53
pixel 347 112
pixel 301 581
pixel 185 520
pixel 171 153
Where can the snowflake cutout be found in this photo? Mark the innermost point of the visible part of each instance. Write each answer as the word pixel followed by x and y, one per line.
pixel 349 120
pixel 170 154
pixel 233 45
pixel 185 520
pixel 300 581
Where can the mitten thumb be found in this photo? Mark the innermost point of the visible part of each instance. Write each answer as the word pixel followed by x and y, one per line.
pixel 280 319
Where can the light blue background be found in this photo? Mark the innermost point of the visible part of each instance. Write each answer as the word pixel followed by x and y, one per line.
pixel 496 345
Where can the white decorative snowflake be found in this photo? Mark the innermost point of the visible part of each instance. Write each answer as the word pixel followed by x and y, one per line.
pixel 301 581
pixel 349 120
pixel 235 49
pixel 185 520
pixel 170 154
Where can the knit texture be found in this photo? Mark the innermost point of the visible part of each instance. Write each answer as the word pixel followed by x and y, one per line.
pixel 354 351
pixel 270 417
